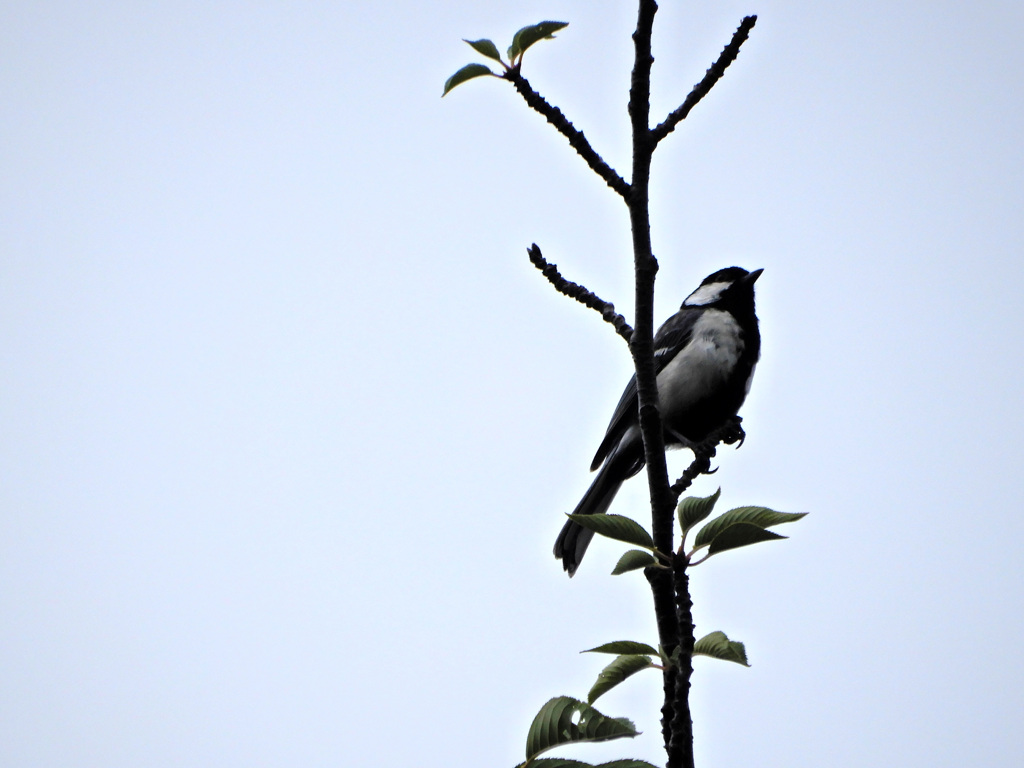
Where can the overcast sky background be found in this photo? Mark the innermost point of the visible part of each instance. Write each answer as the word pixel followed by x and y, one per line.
pixel 288 423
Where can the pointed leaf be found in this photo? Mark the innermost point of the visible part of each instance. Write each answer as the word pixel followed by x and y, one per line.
pixel 718 646
pixel 468 72
pixel 485 47
pixel 623 646
pixel 527 36
pixel 762 517
pixel 564 720
pixel 615 527
pixel 620 668
pixel 694 509
pixel 633 560
pixel 741 535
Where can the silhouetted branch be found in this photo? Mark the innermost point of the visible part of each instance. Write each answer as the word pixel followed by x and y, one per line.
pixel 663 591
pixel 680 748
pixel 700 90
pixel 642 348
pixel 581 294
pixel 729 433
pixel 676 721
pixel 645 270
pixel 576 138
pixel 669 589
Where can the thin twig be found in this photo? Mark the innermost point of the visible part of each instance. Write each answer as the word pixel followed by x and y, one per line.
pixel 729 433
pixel 700 465
pixel 581 294
pixel 700 90
pixel 576 138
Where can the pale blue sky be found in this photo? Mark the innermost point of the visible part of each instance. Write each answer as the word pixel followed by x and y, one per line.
pixel 289 422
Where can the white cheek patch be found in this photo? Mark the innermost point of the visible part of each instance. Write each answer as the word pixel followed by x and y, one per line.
pixel 706 294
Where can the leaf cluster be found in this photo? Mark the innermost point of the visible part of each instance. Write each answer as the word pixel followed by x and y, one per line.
pixel 736 528
pixel 632 657
pixel 521 41
pixel 565 720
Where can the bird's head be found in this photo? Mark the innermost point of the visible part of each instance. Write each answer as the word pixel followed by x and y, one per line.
pixel 732 284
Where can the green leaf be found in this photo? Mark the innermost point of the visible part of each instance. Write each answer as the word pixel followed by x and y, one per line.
pixel 718 646
pixel 741 535
pixel 623 646
pixel 620 668
pixel 694 509
pixel 564 720
pixel 485 47
pixel 615 527
pixel 527 36
pixel 468 72
pixel 633 560
pixel 762 517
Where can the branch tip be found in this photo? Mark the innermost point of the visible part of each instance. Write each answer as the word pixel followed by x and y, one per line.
pixel 576 291
pixel 711 77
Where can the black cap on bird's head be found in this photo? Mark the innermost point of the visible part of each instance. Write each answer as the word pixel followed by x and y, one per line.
pixel 722 285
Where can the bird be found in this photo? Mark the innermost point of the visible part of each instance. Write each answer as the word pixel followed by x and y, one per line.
pixel 704 358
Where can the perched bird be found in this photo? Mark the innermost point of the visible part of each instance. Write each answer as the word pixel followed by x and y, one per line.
pixel 704 356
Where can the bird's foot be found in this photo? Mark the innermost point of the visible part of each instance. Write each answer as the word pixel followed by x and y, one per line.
pixel 732 432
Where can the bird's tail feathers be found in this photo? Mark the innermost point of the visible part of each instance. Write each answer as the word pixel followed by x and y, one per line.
pixel 574 539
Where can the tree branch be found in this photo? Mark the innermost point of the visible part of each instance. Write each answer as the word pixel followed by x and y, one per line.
pixel 680 748
pixel 576 138
pixel 663 591
pixel 675 627
pixel 701 89
pixel 581 294
pixel 729 433
pixel 642 348
pixel 669 589
pixel 646 270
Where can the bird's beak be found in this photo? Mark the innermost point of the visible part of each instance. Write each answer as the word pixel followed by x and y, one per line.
pixel 752 277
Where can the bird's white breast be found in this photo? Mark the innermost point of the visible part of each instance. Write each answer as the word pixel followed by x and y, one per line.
pixel 703 365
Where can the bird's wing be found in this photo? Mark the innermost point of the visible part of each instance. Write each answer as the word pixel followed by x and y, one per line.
pixel 673 335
